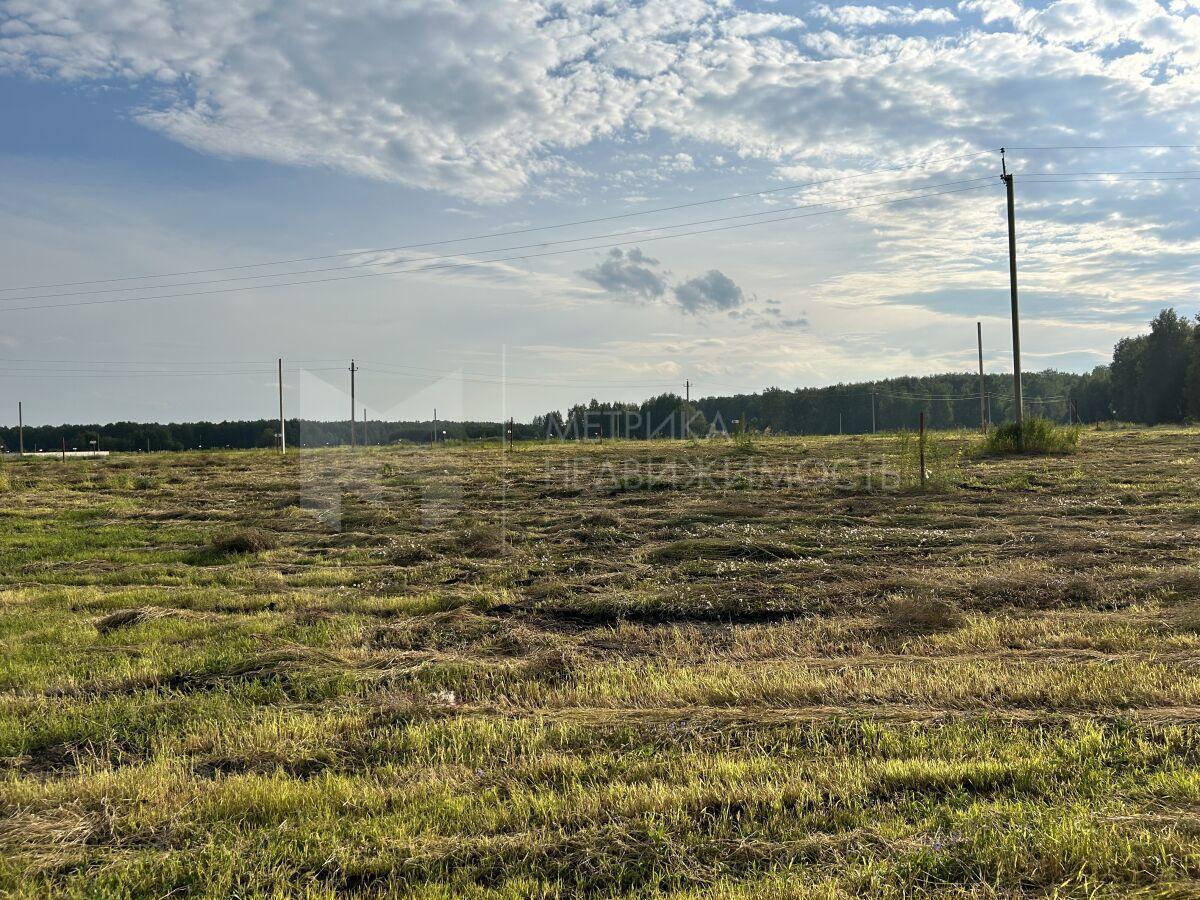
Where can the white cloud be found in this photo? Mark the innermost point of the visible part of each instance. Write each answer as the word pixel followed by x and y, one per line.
pixel 482 98
pixel 871 16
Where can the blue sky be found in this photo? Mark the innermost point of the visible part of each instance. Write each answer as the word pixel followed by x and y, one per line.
pixel 149 136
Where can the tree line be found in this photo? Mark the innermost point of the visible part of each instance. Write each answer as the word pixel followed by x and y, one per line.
pixel 241 435
pixel 1154 378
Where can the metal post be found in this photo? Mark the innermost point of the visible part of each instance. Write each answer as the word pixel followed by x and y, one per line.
pixel 1012 283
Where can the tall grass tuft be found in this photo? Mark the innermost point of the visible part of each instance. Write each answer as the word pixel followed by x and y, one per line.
pixel 943 459
pixel 1035 435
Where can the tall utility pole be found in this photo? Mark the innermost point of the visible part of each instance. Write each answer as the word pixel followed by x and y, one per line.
pixel 1012 285
pixel 365 426
pixel 20 429
pixel 435 423
pixel 872 412
pixel 687 400
pixel 282 431
pixel 983 423
pixel 353 369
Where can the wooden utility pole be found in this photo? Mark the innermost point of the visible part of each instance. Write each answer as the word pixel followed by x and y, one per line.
pixel 20 429
pixel 687 399
pixel 353 369
pixel 982 410
pixel 1012 286
pixel 921 442
pixel 282 429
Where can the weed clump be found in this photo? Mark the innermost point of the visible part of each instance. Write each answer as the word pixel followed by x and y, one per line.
pixel 146 482
pixel 410 553
pixel 244 541
pixel 552 666
pixel 480 541
pixel 921 615
pixel 1036 435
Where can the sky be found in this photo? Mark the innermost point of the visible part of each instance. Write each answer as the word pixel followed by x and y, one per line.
pixel 502 207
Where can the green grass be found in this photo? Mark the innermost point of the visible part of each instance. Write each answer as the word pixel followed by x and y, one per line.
pixel 632 669
pixel 1035 436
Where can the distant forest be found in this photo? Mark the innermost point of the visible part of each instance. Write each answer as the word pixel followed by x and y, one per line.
pixel 1153 379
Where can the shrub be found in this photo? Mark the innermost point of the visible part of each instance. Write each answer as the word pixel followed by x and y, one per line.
pixel 244 540
pixel 1035 435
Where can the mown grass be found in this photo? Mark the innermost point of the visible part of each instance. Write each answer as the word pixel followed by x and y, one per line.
pixel 632 669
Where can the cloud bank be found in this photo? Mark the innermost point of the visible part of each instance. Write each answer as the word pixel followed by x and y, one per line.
pixel 483 99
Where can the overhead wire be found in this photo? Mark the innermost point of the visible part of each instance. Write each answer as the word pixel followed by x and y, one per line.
pixel 423 259
pixel 487 262
pixel 593 220
pixel 516 231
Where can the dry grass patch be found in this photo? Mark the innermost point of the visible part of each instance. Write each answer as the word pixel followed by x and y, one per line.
pixel 244 541
pixel 920 615
pixel 127 618
pixel 720 548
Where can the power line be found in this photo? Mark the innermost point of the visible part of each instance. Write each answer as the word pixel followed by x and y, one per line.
pixel 1124 173
pixel 1108 147
pixel 88 374
pixel 164 362
pixel 1051 180
pixel 423 259
pixel 386 368
pixel 478 263
pixel 593 220
pixel 509 233
pixel 1064 178
pixel 379 368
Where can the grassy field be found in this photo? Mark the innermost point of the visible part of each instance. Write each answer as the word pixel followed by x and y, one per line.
pixel 747 669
